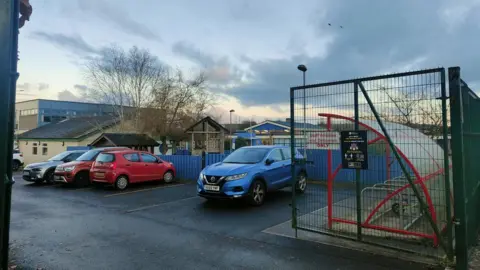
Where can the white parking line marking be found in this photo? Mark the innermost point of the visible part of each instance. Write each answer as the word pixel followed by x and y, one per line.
pixel 159 204
pixel 141 190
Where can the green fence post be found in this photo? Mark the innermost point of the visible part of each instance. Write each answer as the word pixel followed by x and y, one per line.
pixel 460 201
pixel 358 185
pixel 292 150
pixel 446 165
pixel 9 11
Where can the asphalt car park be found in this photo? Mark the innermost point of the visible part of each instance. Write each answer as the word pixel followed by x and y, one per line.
pixel 163 226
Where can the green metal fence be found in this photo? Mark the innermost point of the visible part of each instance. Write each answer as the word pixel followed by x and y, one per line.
pixel 465 117
pixel 404 117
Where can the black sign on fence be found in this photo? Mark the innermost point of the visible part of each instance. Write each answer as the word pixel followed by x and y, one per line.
pixel 354 146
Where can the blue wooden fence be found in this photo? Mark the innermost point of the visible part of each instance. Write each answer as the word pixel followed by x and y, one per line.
pixel 189 167
pixel 214 158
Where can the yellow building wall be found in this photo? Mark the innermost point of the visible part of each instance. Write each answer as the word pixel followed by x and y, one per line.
pixel 53 147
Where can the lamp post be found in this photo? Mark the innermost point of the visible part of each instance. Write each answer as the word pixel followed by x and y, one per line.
pixel 231 137
pixel 303 69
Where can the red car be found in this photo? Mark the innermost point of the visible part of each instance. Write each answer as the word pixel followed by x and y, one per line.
pixel 78 172
pixel 121 168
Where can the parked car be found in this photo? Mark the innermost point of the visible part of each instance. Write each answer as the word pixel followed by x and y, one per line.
pixel 250 172
pixel 78 172
pixel 44 171
pixel 121 168
pixel 17 162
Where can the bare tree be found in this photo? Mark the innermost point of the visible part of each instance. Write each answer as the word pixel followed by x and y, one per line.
pixel 413 108
pixel 125 79
pixel 178 102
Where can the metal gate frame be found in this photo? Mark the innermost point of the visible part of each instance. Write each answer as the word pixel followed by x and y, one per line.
pixel 445 244
pixel 465 116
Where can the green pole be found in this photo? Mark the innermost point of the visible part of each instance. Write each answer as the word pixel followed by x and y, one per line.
pixel 446 166
pixel 423 205
pixel 458 163
pixel 9 12
pixel 358 185
pixel 292 167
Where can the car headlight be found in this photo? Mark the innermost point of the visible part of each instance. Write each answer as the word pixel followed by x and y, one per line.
pixel 59 169
pixel 69 168
pixel 36 169
pixel 235 177
pixel 202 176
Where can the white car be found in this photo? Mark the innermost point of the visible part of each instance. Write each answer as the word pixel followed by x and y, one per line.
pixel 17 162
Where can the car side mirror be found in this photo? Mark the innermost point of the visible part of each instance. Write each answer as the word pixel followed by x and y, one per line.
pixel 159 161
pixel 268 161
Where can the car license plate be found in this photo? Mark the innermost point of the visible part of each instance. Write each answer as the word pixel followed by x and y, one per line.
pixel 211 188
pixel 26 173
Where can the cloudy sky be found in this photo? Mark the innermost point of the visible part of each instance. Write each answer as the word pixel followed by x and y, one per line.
pixel 250 48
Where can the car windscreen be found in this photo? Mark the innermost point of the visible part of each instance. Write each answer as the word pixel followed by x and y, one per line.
pixel 247 155
pixel 60 156
pixel 103 157
pixel 89 155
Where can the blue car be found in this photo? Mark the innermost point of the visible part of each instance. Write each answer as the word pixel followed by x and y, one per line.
pixel 250 172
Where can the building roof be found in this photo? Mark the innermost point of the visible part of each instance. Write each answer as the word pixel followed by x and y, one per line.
pixel 68 101
pixel 72 128
pixel 127 139
pixel 210 121
pixel 286 125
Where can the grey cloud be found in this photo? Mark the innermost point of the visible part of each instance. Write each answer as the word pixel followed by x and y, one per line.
pixel 75 44
pixel 218 70
pixel 378 37
pixel 66 95
pixel 43 86
pixel 23 87
pixel 116 15
pixel 80 87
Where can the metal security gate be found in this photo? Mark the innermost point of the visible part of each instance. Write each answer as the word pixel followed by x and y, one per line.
pixel 401 199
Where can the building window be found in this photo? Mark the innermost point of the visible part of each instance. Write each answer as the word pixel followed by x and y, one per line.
pixel 47 119
pixel 34 149
pixel 44 149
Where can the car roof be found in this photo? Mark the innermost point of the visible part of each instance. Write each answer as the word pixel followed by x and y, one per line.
pixel 267 146
pixel 112 148
pixel 128 151
pixel 77 151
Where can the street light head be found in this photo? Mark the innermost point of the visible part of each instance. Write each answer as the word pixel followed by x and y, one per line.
pixel 302 68
pixel 232 110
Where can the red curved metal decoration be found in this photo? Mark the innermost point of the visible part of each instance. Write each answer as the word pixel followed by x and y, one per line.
pixel 420 180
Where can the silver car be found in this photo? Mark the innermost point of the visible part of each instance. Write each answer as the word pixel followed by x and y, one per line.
pixel 43 171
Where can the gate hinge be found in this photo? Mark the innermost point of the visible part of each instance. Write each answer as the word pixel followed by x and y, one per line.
pixel 456 222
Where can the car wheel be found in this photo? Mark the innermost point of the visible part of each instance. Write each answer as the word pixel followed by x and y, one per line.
pixel 15 165
pixel 168 177
pixel 121 183
pixel 257 193
pixel 48 177
pixel 301 184
pixel 81 179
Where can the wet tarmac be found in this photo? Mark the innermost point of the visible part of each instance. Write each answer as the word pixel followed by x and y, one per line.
pixel 158 226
